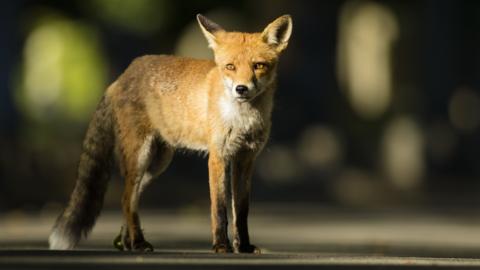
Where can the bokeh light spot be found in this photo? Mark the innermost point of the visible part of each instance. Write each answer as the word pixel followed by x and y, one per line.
pixel 63 71
pixel 366 34
pixel 320 148
pixel 403 153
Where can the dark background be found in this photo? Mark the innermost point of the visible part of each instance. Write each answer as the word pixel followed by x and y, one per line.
pixel 378 103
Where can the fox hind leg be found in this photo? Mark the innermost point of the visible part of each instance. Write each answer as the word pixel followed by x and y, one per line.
pixel 134 159
pixel 150 160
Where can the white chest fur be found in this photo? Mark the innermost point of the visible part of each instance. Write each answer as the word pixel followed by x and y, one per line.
pixel 241 121
pixel 242 116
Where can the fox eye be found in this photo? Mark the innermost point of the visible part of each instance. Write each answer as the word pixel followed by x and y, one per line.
pixel 230 67
pixel 259 66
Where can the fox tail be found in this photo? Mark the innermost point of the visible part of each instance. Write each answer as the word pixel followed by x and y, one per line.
pixel 94 169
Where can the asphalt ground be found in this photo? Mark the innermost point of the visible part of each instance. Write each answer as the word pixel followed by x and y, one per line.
pixel 290 238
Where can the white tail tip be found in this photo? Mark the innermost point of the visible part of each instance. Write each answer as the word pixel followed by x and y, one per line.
pixel 59 240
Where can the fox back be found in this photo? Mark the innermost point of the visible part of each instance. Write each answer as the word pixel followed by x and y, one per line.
pixel 193 103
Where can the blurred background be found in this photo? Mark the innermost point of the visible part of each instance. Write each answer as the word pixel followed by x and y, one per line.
pixel 378 105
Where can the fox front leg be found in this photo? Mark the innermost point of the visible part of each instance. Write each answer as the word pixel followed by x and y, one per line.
pixel 241 172
pixel 218 197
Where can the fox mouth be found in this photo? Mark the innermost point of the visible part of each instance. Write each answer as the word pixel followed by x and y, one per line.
pixel 243 98
pixel 247 97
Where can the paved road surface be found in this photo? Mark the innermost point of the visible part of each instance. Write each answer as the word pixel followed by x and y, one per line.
pixel 289 238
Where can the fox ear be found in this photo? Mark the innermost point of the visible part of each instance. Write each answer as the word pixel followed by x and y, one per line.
pixel 209 29
pixel 278 32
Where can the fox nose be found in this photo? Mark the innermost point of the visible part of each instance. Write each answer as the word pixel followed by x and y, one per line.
pixel 241 89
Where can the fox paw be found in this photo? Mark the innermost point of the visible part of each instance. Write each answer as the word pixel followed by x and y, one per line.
pixel 123 243
pixel 143 246
pixel 247 249
pixel 118 243
pixel 222 248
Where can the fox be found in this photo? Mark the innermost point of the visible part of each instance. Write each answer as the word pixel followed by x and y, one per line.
pixel 162 103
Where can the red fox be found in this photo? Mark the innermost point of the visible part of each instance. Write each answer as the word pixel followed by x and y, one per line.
pixel 162 103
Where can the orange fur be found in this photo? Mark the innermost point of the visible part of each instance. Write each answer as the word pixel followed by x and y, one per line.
pixel 163 103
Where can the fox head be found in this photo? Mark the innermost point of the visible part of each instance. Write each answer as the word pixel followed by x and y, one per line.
pixel 247 61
